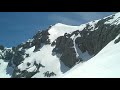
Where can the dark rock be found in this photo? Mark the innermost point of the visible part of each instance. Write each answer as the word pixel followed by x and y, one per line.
pixel 23 74
pixel 19 74
pixel 17 59
pixel 37 44
pixel 117 40
pixel 49 74
pixel 1 47
pixel 26 45
pixel 69 57
pixel 38 65
pixel 98 39
pixel 91 40
pixel 64 47
pixel 28 64
pixel 75 32
pixel 13 48
pixel 8 55
pixel 53 43
pixel 27 55
pixel 41 38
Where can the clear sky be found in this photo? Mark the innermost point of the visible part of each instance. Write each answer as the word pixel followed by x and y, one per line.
pixel 17 27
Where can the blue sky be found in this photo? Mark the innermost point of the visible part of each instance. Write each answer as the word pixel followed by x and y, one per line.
pixel 17 27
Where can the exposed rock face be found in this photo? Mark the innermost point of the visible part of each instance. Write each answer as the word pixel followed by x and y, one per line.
pixel 94 41
pixel 64 48
pixel 1 47
pixel 41 38
pixel 49 74
pixel 17 54
pixel 25 73
pixel 117 40
pixel 91 39
pixel 16 57
pixel 8 55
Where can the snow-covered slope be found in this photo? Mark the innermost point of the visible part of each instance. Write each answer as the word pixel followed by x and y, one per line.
pixel 44 57
pixel 105 64
pixel 115 19
pixel 63 50
pixel 3 73
pixel 60 29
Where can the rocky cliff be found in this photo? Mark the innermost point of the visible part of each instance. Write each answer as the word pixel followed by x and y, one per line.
pixel 73 44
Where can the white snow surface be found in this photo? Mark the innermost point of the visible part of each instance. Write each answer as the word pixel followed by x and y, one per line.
pixel 44 57
pixel 74 38
pixel 105 64
pixel 85 56
pixel 92 25
pixel 3 73
pixel 115 20
pixel 60 29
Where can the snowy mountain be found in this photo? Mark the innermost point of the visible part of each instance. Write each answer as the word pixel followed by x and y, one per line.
pixel 88 50
pixel 105 64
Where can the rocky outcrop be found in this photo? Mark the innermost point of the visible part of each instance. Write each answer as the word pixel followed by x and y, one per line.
pixel 49 74
pixel 117 40
pixel 91 39
pixel 40 38
pixel 1 47
pixel 8 54
pixel 94 41
pixel 65 51
pixel 25 73
pixel 16 55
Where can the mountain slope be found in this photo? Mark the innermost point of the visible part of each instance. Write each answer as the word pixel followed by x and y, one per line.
pixel 3 66
pixel 62 49
pixel 105 64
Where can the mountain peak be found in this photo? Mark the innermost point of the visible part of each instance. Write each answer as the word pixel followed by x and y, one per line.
pixel 60 47
pixel 59 24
